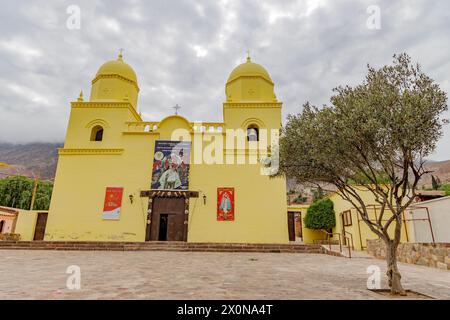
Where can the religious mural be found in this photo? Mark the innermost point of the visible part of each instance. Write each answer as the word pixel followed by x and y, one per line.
pixel 225 204
pixel 171 165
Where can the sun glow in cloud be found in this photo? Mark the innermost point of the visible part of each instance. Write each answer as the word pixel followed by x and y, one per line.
pixel 200 52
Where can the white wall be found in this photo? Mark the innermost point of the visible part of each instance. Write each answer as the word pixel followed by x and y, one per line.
pixel 439 210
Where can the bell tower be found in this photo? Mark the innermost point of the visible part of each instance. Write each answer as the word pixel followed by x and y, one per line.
pixel 99 122
pixel 251 103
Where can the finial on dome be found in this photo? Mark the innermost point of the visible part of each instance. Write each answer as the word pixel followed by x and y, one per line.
pixel 120 54
pixel 80 97
pixel 248 56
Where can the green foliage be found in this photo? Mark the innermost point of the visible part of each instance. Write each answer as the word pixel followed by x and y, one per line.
pixel 320 215
pixel 435 182
pixel 318 194
pixel 446 189
pixel 16 192
pixel 381 178
pixel 300 199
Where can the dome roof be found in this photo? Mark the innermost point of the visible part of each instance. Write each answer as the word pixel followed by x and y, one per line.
pixel 117 67
pixel 249 69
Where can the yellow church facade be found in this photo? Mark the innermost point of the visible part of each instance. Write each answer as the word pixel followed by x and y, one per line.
pixel 120 178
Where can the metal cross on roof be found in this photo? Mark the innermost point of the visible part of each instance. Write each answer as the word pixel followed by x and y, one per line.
pixel 177 107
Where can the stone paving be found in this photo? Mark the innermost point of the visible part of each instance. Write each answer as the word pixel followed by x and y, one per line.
pixel 202 275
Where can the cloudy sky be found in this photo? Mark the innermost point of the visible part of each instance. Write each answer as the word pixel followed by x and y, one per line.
pixel 183 52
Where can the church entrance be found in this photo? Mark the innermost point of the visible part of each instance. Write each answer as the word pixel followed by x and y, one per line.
pixel 168 214
pixel 162 234
pixel 167 221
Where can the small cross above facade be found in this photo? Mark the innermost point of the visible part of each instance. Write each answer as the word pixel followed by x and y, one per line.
pixel 177 107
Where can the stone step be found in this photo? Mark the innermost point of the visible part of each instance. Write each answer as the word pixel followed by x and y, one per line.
pixel 158 246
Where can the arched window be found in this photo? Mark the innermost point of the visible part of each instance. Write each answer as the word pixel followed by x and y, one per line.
pixel 2 223
pixel 252 133
pixel 97 133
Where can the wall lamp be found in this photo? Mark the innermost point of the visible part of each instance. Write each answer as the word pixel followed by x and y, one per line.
pixel 204 199
pixel 131 198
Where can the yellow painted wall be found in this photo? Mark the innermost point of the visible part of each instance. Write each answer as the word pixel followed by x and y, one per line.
pixel 260 206
pixel 259 200
pixel 26 224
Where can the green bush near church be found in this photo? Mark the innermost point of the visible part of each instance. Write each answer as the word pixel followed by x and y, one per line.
pixel 320 215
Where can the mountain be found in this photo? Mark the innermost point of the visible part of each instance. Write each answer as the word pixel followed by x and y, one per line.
pixel 439 169
pixel 41 158
pixel 29 159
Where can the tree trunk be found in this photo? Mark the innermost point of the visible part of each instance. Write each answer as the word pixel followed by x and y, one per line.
pixel 394 277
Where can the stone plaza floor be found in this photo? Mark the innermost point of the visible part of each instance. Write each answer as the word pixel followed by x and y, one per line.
pixel 202 275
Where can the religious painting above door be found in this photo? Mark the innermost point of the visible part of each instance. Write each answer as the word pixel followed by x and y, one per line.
pixel 225 204
pixel 171 165
pixel 113 203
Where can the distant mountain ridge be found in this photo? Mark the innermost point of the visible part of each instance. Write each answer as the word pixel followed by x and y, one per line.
pixel 31 158
pixel 41 159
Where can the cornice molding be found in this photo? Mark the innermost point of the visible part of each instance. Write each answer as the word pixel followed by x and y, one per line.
pixel 107 105
pixel 111 76
pixel 246 105
pixel 239 77
pixel 141 133
pixel 87 151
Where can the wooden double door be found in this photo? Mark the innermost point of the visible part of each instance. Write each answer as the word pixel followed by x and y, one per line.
pixel 167 221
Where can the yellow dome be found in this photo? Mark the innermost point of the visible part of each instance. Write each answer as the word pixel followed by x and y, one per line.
pixel 117 67
pixel 249 69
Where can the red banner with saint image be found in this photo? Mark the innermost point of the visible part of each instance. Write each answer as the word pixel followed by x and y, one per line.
pixel 113 203
pixel 225 204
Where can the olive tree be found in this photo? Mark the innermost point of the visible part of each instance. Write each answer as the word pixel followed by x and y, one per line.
pixel 374 136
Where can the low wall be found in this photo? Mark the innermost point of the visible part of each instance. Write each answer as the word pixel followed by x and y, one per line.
pixel 26 223
pixel 436 255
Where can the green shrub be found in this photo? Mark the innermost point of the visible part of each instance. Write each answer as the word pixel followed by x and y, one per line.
pixel 320 215
pixel 300 199
pixel 446 189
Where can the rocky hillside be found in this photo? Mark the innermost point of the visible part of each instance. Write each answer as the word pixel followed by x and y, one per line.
pixel 439 169
pixel 26 159
pixel 41 159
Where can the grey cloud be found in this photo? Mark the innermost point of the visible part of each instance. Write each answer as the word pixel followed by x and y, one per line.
pixel 307 52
